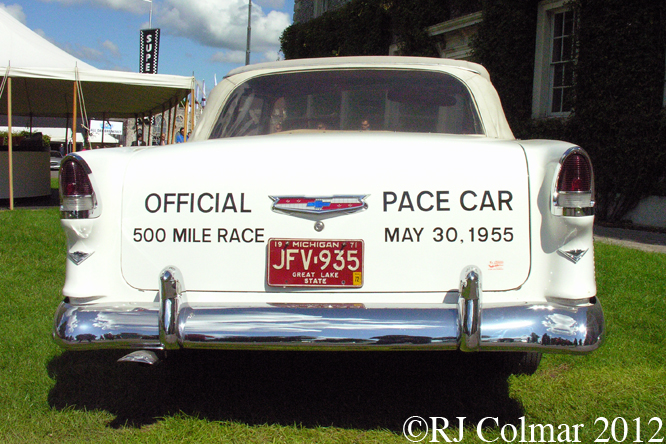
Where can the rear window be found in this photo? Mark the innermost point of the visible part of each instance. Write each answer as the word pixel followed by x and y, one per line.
pixel 349 100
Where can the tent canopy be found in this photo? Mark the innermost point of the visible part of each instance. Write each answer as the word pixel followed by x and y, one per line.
pixel 43 77
pixel 113 94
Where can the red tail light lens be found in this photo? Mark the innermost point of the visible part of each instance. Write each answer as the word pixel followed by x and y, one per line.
pixel 74 180
pixel 574 190
pixel 575 174
pixel 77 197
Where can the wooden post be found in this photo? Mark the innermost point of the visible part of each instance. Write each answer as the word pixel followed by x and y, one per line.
pixel 194 104
pixel 74 119
pixel 186 117
pixel 103 120
pixel 10 154
pixel 150 129
pixel 162 127
pixel 174 110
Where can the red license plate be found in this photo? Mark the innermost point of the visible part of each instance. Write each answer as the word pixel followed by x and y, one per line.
pixel 315 263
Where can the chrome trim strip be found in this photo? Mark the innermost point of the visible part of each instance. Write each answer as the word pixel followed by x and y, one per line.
pixel 79 159
pixel 77 257
pixel 547 327
pixel 573 255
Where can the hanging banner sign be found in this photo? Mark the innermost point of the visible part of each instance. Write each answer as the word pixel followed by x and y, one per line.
pixel 150 49
pixel 112 128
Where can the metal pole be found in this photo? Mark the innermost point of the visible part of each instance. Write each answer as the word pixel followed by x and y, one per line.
pixel 150 18
pixel 249 31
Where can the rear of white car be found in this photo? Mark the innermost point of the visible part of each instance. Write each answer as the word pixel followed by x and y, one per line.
pixel 295 227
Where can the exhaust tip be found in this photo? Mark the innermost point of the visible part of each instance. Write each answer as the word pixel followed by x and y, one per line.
pixel 144 357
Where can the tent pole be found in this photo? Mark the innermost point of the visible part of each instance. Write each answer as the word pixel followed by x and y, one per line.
pixel 9 142
pixel 194 103
pixel 103 120
pixel 66 134
pixel 186 117
pixel 150 129
pixel 162 125
pixel 168 126
pixel 74 120
pixel 170 123
pixel 173 120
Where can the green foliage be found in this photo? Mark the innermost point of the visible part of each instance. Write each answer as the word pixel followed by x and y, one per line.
pixel 618 116
pixel 358 28
pixel 368 27
pixel 46 140
pixel 505 45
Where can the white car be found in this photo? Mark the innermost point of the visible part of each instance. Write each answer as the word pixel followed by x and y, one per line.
pixel 56 159
pixel 352 202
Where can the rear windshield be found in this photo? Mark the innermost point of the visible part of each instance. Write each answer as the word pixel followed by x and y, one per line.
pixel 349 100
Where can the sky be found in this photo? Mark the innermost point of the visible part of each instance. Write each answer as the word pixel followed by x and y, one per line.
pixel 206 38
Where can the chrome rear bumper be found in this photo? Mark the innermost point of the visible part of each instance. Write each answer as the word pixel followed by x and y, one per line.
pixel 174 324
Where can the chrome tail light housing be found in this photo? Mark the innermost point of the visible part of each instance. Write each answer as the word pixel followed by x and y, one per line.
pixel 573 190
pixel 77 196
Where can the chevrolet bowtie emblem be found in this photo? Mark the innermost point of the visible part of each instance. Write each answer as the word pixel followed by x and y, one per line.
pixel 319 205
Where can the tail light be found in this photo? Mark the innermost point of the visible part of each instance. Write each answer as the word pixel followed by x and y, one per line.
pixel 574 189
pixel 77 197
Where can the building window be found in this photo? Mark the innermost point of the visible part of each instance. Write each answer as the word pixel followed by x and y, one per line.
pixel 562 56
pixel 554 60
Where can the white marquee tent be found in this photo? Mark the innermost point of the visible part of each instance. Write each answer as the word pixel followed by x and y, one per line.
pixel 44 76
pixel 39 79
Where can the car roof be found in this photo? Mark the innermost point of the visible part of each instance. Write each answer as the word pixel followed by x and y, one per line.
pixel 363 61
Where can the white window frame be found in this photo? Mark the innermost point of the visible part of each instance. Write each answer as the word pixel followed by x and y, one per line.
pixel 543 81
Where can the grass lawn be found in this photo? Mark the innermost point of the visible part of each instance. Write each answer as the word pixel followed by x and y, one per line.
pixel 47 395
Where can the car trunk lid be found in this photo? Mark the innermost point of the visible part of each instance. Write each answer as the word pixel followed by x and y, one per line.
pixel 420 207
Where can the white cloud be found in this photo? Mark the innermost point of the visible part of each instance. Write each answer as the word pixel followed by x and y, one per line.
pixel 15 11
pixel 105 55
pixel 111 47
pixel 238 57
pixel 235 57
pixel 272 56
pixel 222 23
pixel 213 23
pixel 83 52
pixel 134 6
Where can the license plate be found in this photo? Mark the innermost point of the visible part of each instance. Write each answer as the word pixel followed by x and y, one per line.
pixel 315 263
